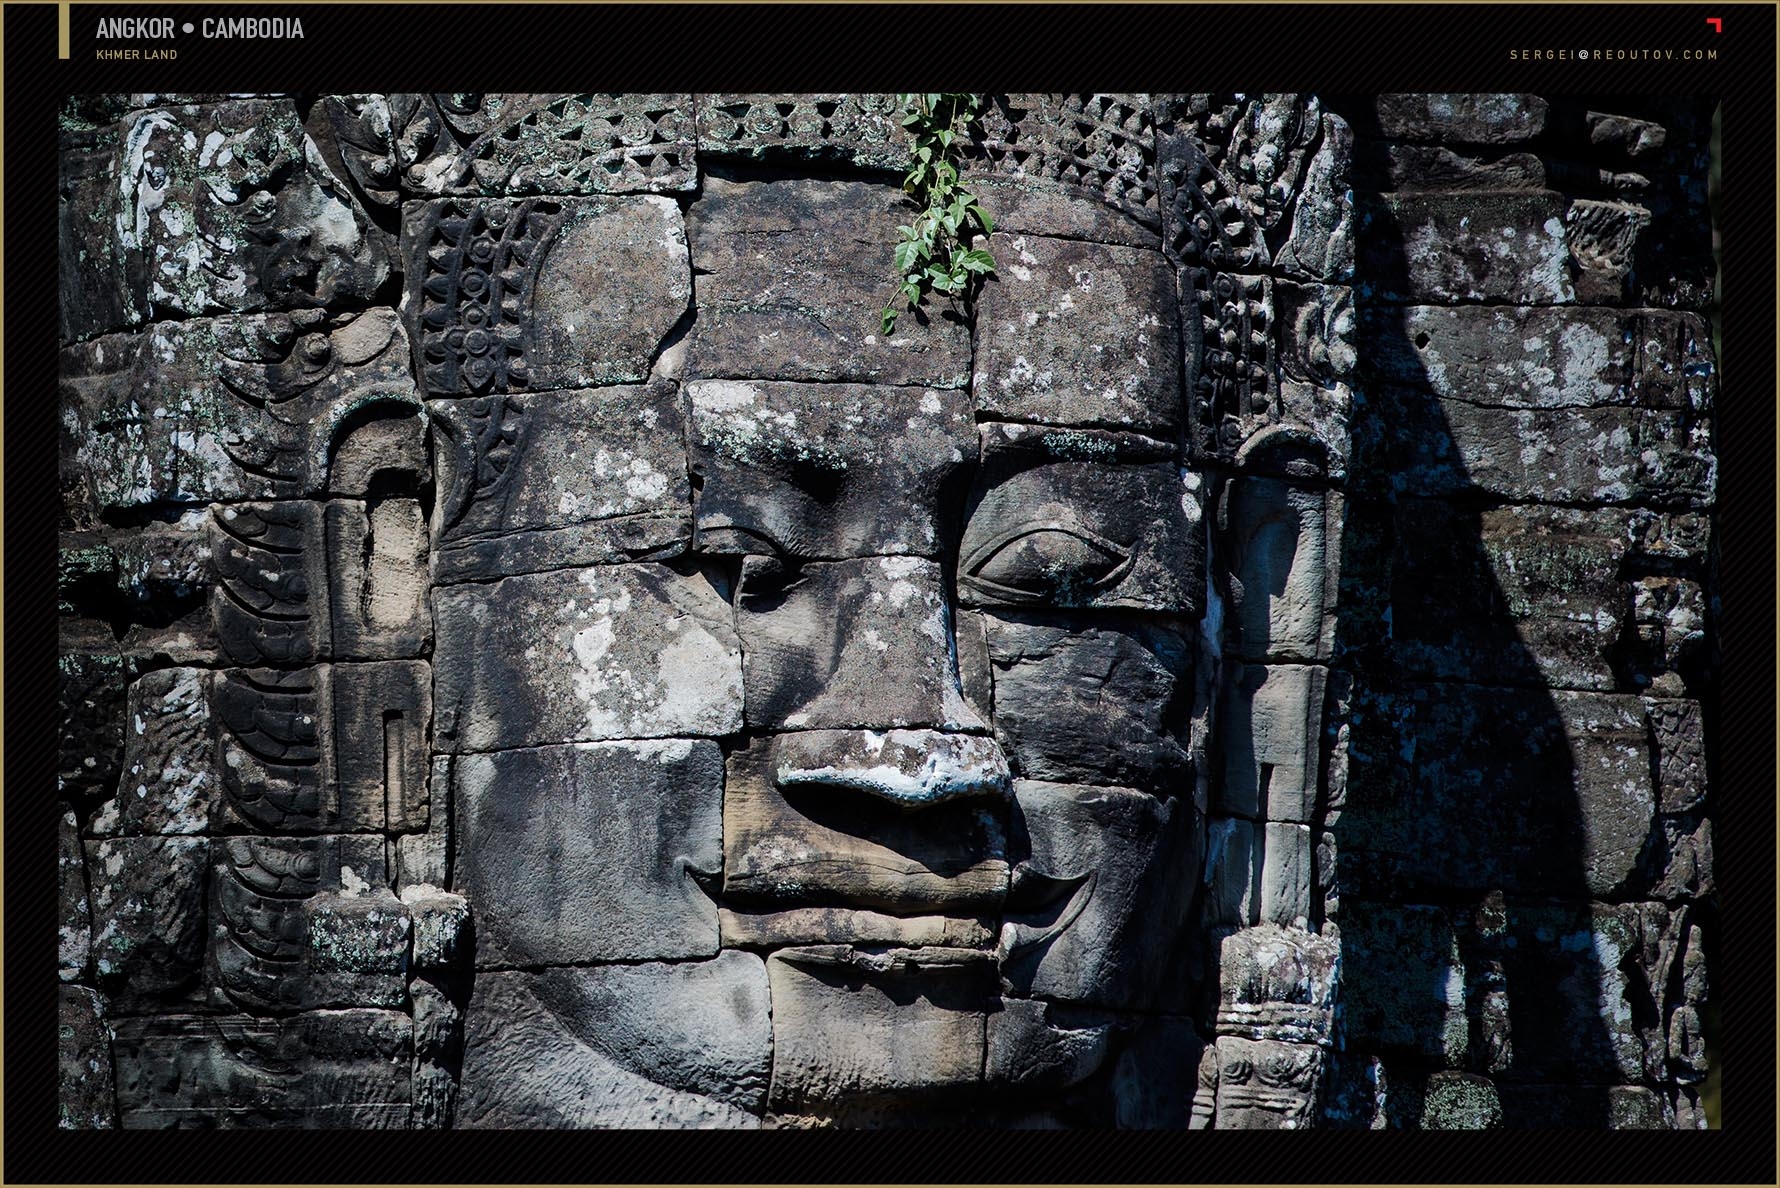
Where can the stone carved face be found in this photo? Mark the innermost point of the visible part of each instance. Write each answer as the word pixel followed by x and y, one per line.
pixel 947 639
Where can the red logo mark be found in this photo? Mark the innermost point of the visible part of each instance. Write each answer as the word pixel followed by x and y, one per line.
pixel 1717 24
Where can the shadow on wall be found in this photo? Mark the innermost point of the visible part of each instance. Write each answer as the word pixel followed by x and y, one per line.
pixel 1496 791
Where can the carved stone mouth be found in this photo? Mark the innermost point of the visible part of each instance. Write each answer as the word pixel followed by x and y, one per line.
pixel 1032 894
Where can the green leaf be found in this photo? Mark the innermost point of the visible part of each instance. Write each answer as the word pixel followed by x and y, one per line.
pixel 905 256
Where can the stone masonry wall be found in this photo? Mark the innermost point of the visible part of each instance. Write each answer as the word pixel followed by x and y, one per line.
pixel 533 654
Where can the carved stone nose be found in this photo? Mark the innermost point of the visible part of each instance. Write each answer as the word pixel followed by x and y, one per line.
pixel 908 768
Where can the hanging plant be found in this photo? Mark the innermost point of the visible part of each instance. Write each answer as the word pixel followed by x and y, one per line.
pixel 937 252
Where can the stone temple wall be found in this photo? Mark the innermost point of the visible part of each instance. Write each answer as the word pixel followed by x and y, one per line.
pixel 533 653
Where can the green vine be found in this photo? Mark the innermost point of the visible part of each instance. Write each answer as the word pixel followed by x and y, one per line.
pixel 935 254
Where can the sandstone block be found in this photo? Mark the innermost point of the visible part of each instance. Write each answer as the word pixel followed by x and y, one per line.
pixel 619 651
pixel 848 644
pixel 1081 518
pixel 221 207
pixel 829 470
pixel 849 1025
pixel 1462 118
pixel 86 1096
pixel 1078 334
pixel 592 852
pixel 316 1070
pixel 841 818
pixel 793 275
pixel 268 406
pixel 147 896
pixel 1099 898
pixel 542 293
pixel 557 480
pixel 1507 247
pixel 675 1046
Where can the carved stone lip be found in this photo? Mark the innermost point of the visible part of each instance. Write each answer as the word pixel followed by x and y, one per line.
pixel 908 768
pixel 886 959
pixel 1033 894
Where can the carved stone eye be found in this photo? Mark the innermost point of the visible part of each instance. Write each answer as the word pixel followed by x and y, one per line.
pixel 1045 560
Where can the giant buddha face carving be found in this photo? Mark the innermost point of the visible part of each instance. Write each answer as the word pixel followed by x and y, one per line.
pixel 858 695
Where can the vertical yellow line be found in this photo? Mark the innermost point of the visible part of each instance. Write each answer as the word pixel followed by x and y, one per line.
pixel 62 29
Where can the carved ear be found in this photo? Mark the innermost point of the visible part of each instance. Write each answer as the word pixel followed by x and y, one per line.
pixel 368 432
pixel 1285 450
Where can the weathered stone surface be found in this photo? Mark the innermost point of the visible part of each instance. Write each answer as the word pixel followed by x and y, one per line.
pixel 1680 754
pixel 359 950
pixel 1283 573
pixel 793 273
pixel 1449 447
pixel 90 695
pixel 556 480
pixel 1545 357
pixel 1260 873
pixel 1093 702
pixel 684 1045
pixel 743 927
pixel 542 293
pixel 850 1025
pixel 831 470
pixel 829 818
pixel 1080 518
pixel 91 297
pixel 424 859
pixel 504 143
pixel 1415 167
pixel 1463 119
pixel 438 1056
pixel 573 144
pixel 74 912
pixel 267 406
pixel 1075 165
pixel 1271 727
pixel 1403 980
pixel 163 578
pixel 622 651
pixel 441 925
pixel 847 644
pixel 1266 1084
pixel 86 1098
pixel 863 130
pixel 1042 1046
pixel 225 206
pixel 1078 334
pixel 1100 894
pixel 318 1070
pixel 168 779
pixel 1503 247
pixel 1321 246
pixel 1524 791
pixel 296 582
pixel 1460 1101
pixel 147 896
pixel 1612 973
pixel 1550 582
pixel 304 922
pixel 1277 983
pixel 594 852
pixel 1157 1075
pixel 333 747
pixel 1233 167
